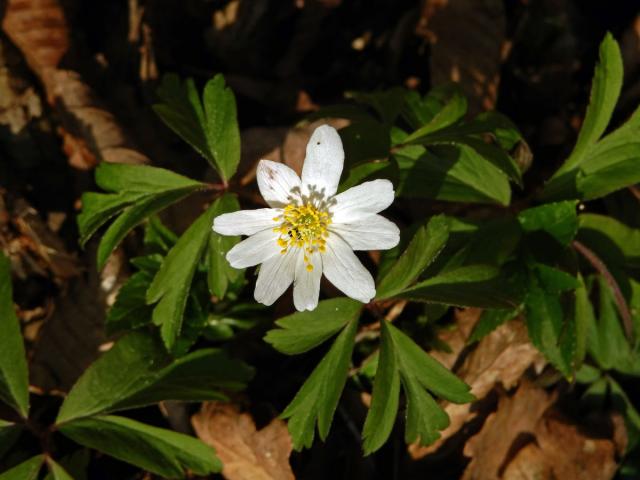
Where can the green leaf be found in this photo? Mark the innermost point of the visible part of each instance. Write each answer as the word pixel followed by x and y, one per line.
pixel 220 273
pixel 387 103
pixel 365 140
pixel 98 208
pixel 385 397
pixel 368 171
pixel 426 245
pixel 468 286
pixel 317 399
pixel 545 322
pixel 403 362
pixel 27 470
pixel 130 310
pixel 605 90
pixel 57 471
pixel 9 433
pixel 557 219
pixel 209 125
pixel 133 215
pixel 623 404
pixel 454 173
pixel 157 450
pixel 120 177
pixel 453 106
pixel 613 241
pixel 605 172
pixel 606 341
pixel 583 318
pixel 489 321
pixel 302 331
pixel 137 371
pixel 553 280
pixel 14 380
pixel 172 283
pixel 428 372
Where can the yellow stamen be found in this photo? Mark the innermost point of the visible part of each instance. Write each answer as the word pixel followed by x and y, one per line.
pixel 303 226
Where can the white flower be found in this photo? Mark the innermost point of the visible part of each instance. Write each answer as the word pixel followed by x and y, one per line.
pixel 309 230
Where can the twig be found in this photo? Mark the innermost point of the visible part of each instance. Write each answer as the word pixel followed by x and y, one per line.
pixel 621 303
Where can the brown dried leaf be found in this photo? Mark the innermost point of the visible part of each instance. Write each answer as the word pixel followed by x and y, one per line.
pixel 499 359
pixel 514 420
pixel 39 29
pixel 246 454
pixel 528 439
pixel 472 59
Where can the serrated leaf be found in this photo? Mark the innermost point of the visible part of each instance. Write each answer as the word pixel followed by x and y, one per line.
pixel 369 171
pixel 432 375
pixel 302 331
pixel 132 216
pixel 137 371
pixel 9 433
pixel 553 280
pixel 98 208
pixel 583 318
pixel 557 219
pixel 489 321
pixel 120 177
pixel 613 241
pixel 452 107
pixel 160 451
pixel 220 273
pixel 209 125
pixel 57 471
pixel 468 286
pixel 450 172
pixel 545 321
pixel 403 362
pixel 385 398
pixel 27 470
pixel 171 285
pixel 605 90
pixel 605 172
pixel 606 340
pixel 14 379
pixel 426 245
pixel 317 400
pixel 130 310
pixel 387 103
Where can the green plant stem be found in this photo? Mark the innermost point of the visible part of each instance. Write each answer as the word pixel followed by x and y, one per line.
pixel 621 303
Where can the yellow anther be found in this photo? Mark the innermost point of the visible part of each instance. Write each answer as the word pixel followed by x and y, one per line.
pixel 303 226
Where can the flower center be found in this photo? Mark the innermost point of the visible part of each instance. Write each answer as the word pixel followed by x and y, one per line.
pixel 303 226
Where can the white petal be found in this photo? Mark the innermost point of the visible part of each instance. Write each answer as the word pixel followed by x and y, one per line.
pixel 276 274
pixel 276 182
pixel 306 285
pixel 372 233
pixel 344 270
pixel 324 161
pixel 254 250
pixel 245 222
pixel 361 201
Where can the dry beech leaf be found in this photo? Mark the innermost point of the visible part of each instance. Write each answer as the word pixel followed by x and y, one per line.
pixel 39 29
pixel 527 439
pixel 473 59
pixel 246 453
pixel 500 358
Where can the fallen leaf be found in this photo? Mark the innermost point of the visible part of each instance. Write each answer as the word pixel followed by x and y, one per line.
pixel 246 453
pixel 499 359
pixel 474 59
pixel 527 438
